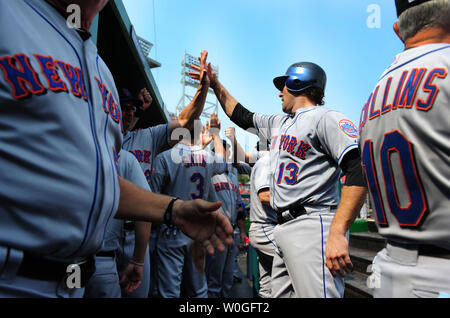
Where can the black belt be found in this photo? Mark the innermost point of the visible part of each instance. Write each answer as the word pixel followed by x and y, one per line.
pixel 290 214
pixel 293 213
pixel 36 267
pixel 425 249
pixel 106 254
pixel 128 226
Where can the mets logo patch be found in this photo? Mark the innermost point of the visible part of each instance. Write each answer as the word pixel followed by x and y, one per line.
pixel 348 128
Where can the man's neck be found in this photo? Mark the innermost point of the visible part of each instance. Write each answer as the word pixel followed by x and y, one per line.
pixel 429 36
pixel 301 106
pixel 89 9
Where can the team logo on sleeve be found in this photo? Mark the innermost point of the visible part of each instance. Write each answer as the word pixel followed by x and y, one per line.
pixel 348 128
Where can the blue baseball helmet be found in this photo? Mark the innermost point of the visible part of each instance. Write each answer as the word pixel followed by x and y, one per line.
pixel 300 76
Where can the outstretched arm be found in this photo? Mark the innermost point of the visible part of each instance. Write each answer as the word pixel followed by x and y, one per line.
pixel 214 126
pixel 235 111
pixel 227 101
pixel 239 154
pixel 195 108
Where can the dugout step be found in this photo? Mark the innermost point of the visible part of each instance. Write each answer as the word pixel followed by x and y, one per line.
pixel 361 258
pixel 356 286
pixel 369 241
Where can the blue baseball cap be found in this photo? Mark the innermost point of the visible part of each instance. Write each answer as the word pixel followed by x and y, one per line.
pixel 126 96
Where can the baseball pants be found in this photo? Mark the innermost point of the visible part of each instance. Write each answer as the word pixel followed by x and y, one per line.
pixel 261 238
pixel 15 286
pixel 301 245
pixel 219 273
pixel 152 243
pixel 105 281
pixel 175 266
pixel 398 272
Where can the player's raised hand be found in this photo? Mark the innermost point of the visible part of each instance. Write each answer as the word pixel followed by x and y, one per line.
pixel 200 73
pixel 215 121
pixel 134 274
pixel 205 137
pixel 146 98
pixel 201 221
pixel 212 76
pixel 337 255
pixel 230 133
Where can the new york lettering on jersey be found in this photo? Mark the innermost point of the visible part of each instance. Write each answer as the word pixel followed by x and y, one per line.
pixel 60 99
pixel 24 80
pixel 301 148
pixel 147 143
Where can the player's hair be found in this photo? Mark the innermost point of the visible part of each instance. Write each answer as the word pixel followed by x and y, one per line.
pixel 315 94
pixel 434 13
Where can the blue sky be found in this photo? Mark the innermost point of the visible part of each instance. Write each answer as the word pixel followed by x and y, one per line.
pixel 253 41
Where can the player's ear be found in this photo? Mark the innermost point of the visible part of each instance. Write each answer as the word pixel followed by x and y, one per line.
pixel 397 31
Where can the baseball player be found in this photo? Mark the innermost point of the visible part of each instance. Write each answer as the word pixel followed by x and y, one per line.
pixel 263 218
pixel 219 267
pixel 184 171
pixel 405 152
pixel 263 221
pixel 145 144
pixel 59 138
pixel 309 147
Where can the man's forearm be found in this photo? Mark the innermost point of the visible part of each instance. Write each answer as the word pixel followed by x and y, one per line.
pixel 227 101
pixel 352 200
pixel 142 235
pixel 195 108
pixel 138 204
pixel 218 145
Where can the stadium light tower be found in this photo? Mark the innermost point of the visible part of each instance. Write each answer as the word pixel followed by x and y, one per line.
pixel 187 81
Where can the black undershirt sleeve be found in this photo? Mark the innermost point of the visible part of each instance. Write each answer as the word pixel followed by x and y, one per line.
pixel 353 170
pixel 242 117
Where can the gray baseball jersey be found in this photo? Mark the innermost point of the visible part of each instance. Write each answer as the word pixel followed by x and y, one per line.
pixel 306 149
pixel 60 135
pixel 183 171
pixel 186 171
pixel 405 146
pixel 146 144
pixel 226 187
pixel 260 179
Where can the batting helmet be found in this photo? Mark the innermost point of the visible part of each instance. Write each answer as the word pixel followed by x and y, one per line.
pixel 300 76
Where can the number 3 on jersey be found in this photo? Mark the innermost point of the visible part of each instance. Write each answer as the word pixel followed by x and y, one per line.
pixel 200 180
pixel 411 214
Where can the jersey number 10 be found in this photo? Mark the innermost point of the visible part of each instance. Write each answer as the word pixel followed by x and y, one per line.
pixel 411 214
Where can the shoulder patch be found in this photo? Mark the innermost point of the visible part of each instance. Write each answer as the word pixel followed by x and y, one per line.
pixel 348 128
